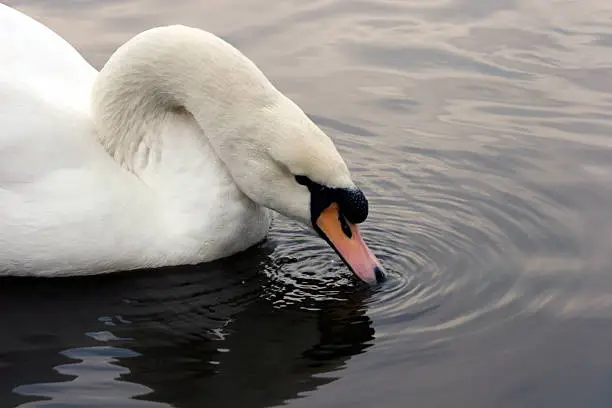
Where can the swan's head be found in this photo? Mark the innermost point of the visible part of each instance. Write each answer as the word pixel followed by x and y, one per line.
pixel 285 162
pixel 276 155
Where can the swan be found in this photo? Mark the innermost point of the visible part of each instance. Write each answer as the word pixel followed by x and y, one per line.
pixel 176 152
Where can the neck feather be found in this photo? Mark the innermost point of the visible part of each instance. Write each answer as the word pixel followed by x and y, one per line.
pixel 171 71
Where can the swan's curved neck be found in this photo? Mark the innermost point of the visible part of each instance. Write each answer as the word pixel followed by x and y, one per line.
pixel 171 73
pixel 163 106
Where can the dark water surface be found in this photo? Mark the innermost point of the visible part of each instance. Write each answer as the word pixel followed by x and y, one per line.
pixel 482 133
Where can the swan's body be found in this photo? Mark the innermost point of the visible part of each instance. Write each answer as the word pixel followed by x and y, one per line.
pixel 172 154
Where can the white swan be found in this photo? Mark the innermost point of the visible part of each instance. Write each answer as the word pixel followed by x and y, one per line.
pixel 174 153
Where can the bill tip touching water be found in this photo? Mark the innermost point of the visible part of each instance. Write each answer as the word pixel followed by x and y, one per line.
pixel 345 238
pixel 335 215
pixel 175 153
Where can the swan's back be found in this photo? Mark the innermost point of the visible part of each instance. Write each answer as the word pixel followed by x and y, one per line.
pixel 35 60
pixel 45 88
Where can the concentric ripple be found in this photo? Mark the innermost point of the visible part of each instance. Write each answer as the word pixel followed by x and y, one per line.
pixel 454 241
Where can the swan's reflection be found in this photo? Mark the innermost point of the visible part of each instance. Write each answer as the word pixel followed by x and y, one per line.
pixel 182 336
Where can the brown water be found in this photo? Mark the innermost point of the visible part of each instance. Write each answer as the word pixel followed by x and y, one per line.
pixel 482 133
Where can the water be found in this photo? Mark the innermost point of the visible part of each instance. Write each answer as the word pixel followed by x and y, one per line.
pixel 482 133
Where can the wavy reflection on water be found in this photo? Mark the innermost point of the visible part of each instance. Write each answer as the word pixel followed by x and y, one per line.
pixel 183 336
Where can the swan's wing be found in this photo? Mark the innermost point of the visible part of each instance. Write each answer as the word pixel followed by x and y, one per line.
pixel 45 87
pixel 34 58
pixel 49 155
pixel 55 178
pixel 64 202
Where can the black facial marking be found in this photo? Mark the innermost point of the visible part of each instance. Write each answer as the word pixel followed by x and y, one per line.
pixel 352 203
pixel 303 180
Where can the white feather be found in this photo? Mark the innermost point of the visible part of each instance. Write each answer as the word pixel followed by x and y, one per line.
pixel 172 154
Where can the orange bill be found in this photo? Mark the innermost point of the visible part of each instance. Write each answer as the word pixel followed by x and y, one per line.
pixel 345 238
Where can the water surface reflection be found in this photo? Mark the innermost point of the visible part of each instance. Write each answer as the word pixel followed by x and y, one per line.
pixel 187 336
